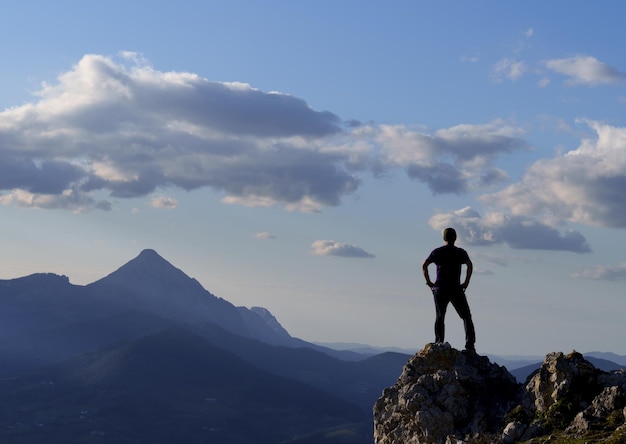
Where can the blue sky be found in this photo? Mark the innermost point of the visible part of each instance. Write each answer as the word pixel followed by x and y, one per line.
pixel 304 157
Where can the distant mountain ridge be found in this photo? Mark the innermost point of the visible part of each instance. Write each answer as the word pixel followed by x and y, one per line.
pixel 37 312
pixel 82 347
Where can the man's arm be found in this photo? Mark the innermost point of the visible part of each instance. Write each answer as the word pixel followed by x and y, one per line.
pixel 468 274
pixel 425 271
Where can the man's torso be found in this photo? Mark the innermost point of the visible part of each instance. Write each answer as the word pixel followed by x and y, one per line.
pixel 448 260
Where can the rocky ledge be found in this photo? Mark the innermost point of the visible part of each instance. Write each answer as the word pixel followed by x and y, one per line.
pixel 446 396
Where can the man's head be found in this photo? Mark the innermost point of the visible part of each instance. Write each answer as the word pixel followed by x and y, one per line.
pixel 449 235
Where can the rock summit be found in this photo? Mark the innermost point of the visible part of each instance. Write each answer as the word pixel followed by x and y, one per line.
pixel 447 396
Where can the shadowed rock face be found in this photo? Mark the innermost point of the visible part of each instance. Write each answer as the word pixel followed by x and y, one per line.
pixel 444 392
pixel 568 396
pixel 445 396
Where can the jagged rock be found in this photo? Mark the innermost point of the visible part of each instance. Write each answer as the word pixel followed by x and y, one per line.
pixel 562 376
pixel 444 395
pixel 568 394
pixel 610 400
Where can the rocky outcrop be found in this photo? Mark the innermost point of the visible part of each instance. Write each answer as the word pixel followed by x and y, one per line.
pixel 570 398
pixel 445 396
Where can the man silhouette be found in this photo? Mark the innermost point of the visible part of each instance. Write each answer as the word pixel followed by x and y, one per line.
pixel 448 288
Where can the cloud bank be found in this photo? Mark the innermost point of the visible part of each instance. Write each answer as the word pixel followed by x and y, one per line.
pixel 116 128
pixel 126 129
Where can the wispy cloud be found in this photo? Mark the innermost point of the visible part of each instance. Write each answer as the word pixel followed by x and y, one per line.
pixel 519 232
pixel 585 70
pixel 332 248
pixel 264 235
pixel 508 69
pixel 603 273
pixel 164 202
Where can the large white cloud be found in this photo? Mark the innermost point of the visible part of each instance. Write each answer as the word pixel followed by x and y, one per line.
pixel 120 127
pixel 516 231
pixel 585 185
pixel 128 129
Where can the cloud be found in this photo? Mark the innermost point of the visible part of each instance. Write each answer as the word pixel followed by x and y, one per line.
pixel 603 273
pixel 332 248
pixel 118 128
pixel 67 200
pixel 585 70
pixel 470 59
pixel 508 69
pixel 483 271
pixel 124 128
pixel 585 185
pixel 264 235
pixel 163 202
pixel 516 231
pixel 452 160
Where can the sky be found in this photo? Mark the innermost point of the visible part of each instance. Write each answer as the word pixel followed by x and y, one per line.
pixel 305 156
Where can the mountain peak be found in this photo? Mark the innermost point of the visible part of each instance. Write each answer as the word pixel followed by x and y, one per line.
pixel 149 266
pixel 151 256
pixel 151 284
pixel 148 252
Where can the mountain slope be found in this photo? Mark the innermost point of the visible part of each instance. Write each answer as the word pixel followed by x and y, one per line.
pixel 58 320
pixel 151 284
pixel 357 381
pixel 43 347
pixel 169 387
pixel 44 319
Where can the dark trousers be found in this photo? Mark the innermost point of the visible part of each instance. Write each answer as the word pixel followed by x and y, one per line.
pixel 456 296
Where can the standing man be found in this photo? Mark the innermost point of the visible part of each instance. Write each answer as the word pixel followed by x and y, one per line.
pixel 448 288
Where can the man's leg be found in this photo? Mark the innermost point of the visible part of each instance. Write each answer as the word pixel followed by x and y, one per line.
pixel 459 302
pixel 441 304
